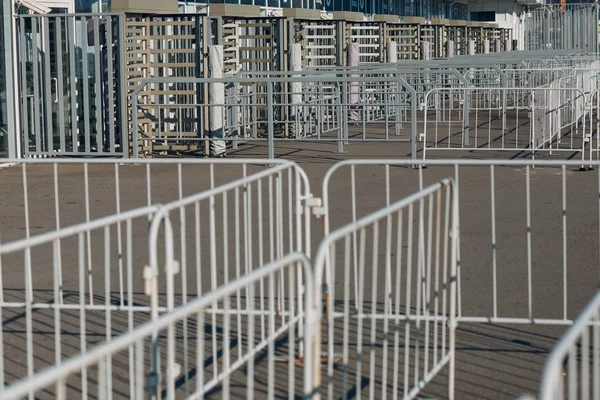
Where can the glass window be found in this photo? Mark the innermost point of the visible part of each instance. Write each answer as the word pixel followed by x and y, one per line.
pixel 87 6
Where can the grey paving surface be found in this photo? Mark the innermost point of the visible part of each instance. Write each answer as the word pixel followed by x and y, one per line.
pixel 493 361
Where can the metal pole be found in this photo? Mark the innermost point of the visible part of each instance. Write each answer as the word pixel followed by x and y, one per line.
pixel 270 128
pixel 216 100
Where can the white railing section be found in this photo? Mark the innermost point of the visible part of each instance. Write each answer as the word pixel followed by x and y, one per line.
pixel 572 369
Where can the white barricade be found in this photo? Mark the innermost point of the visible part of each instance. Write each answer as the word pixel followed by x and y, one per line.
pixel 86 283
pixel 501 233
pixel 217 365
pixel 572 369
pixel 390 281
pixel 539 121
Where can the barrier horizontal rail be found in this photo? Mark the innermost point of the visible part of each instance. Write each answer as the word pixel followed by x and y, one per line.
pixel 572 369
pixel 259 355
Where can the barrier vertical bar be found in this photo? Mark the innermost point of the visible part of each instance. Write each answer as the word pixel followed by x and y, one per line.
pixel 270 128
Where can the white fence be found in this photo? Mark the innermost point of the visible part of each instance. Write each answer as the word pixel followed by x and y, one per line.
pixel 258 354
pixel 537 121
pixel 572 370
pixel 402 300
pixel 409 257
pixel 500 233
pixel 86 282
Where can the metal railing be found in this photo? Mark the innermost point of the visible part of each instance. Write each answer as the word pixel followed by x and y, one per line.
pixel 402 267
pixel 339 110
pixel 107 360
pixel 572 369
pixel 539 120
pixel 371 291
pixel 95 290
pixel 501 234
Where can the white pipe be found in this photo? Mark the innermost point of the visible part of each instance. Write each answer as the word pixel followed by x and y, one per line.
pixel 295 88
pixel 352 61
pixel 216 95
pixel 471 47
pixel 449 48
pixel 392 52
pixel 425 50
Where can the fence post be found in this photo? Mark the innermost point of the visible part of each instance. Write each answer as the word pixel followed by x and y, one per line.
pixel 497 47
pixel 392 58
pixel 270 123
pixel 425 50
pixel 466 107
pixel 123 127
pixel 296 90
pixel 343 104
pixel 352 61
pixel 452 323
pixel 486 46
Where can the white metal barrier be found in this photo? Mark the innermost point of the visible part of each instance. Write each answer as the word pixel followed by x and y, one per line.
pixel 499 249
pixel 217 236
pixel 396 263
pixel 572 369
pixel 540 120
pixel 44 195
pixel 215 369
pixel 68 288
pixel 85 283
pixel 373 286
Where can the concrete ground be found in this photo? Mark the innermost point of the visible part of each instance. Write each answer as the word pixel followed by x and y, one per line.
pixel 493 361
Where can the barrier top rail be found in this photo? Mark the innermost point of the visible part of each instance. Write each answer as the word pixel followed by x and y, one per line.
pixel 58 374
pixel 143 161
pixel 383 69
pixel 23 244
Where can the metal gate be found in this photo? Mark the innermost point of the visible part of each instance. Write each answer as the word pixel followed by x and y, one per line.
pixel 72 91
pixel 574 27
pixel 407 38
pixel 166 46
pixel 318 40
pixel 369 39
